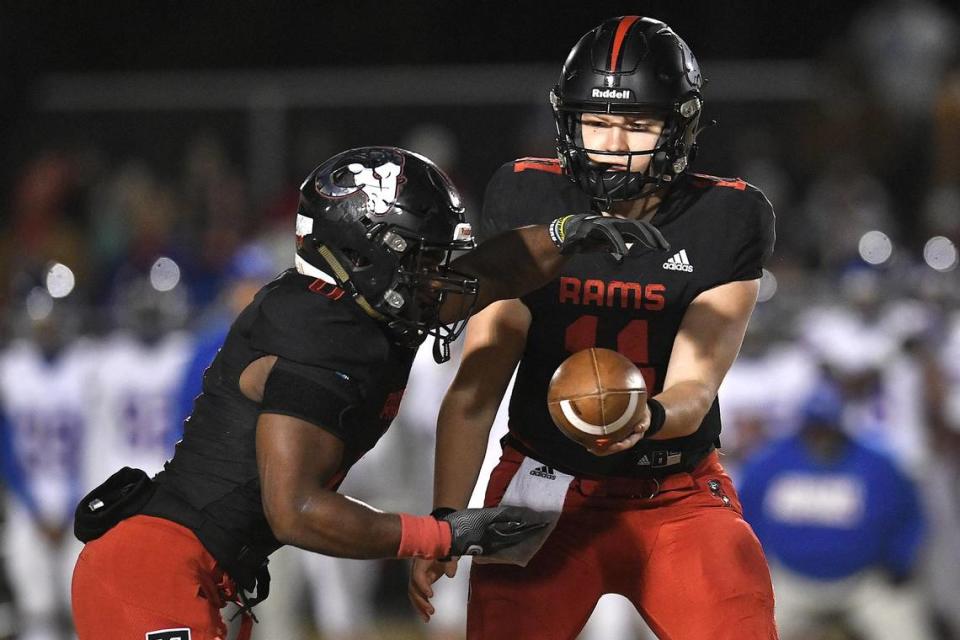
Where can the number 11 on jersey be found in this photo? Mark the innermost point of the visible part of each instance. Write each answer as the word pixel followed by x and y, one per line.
pixel 632 342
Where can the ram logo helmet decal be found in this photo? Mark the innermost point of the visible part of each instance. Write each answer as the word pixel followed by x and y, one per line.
pixel 379 184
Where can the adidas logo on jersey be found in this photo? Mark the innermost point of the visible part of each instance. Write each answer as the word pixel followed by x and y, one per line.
pixel 544 472
pixel 679 262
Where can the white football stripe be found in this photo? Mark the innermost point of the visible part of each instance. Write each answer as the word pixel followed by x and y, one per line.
pixel 599 430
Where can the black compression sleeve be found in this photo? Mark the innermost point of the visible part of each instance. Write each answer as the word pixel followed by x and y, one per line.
pixel 316 395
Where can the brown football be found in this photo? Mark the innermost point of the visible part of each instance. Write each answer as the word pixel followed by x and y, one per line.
pixel 596 397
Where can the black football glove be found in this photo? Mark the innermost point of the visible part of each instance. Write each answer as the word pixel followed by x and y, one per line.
pixel 485 531
pixel 592 232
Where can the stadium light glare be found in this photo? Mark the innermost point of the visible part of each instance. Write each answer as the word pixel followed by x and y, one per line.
pixel 768 286
pixel 39 304
pixel 875 247
pixel 164 274
pixel 60 280
pixel 940 253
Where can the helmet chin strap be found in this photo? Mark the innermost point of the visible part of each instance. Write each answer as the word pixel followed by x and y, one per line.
pixel 343 279
pixel 404 332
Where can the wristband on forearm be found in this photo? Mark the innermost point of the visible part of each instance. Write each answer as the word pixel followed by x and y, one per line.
pixel 658 415
pixel 424 537
pixel 557 232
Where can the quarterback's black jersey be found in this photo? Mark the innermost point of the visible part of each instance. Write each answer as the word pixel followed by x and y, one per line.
pixel 719 230
pixel 314 330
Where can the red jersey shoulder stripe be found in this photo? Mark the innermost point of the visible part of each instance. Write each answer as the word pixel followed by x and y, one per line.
pixel 550 165
pixel 328 289
pixel 702 180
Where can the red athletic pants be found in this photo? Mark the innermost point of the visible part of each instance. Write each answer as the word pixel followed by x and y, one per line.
pixel 149 578
pixel 685 558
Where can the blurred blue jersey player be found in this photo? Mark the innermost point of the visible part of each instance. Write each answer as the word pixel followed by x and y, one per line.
pixel 841 525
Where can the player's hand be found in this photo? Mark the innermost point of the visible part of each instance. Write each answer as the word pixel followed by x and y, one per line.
pixel 592 232
pixel 627 443
pixel 486 531
pixel 423 574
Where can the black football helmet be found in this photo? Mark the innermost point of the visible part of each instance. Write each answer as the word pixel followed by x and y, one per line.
pixel 383 222
pixel 628 65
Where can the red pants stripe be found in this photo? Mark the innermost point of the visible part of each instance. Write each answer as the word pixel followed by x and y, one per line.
pixel 148 574
pixel 685 558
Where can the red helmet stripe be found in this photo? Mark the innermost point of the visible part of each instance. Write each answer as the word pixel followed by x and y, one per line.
pixel 625 23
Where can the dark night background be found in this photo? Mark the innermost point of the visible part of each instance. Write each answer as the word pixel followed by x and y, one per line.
pixel 110 36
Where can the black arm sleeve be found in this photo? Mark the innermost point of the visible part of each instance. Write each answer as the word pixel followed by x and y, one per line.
pixel 319 396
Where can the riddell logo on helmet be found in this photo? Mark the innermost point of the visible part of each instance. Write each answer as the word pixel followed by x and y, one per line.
pixel 612 94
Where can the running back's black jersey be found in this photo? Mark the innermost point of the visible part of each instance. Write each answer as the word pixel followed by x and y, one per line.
pixel 303 321
pixel 719 231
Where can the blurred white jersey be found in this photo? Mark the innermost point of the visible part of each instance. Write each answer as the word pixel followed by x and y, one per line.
pixel 950 361
pixel 767 389
pixel 133 403
pixel 44 405
pixel 890 416
pixel 45 413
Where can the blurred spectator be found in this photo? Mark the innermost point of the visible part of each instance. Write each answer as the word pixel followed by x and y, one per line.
pixel 942 482
pixel 44 396
pixel 760 395
pixel 860 339
pixel 46 219
pixel 844 202
pixel 8 609
pixel 842 528
pixel 440 144
pixel 132 395
pixel 218 211
pixel 943 201
pixel 904 47
pixel 136 217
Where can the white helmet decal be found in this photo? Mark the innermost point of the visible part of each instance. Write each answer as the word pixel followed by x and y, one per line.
pixel 379 184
